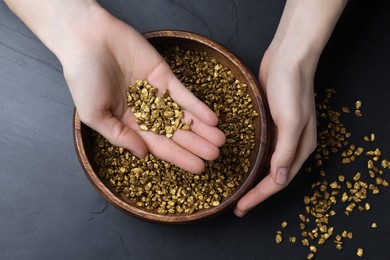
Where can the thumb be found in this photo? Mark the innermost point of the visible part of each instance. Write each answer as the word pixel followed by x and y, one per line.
pixel 285 151
pixel 118 134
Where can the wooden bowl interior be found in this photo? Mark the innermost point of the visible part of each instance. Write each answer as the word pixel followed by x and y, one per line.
pixel 84 140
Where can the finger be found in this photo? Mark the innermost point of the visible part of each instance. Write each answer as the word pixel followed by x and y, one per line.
pixel 288 135
pixel 267 187
pixel 181 94
pixel 264 189
pixel 196 144
pixel 210 133
pixel 119 134
pixel 167 150
pixel 186 99
pixel 307 144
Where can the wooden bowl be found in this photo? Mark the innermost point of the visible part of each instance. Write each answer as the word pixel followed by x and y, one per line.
pixel 84 141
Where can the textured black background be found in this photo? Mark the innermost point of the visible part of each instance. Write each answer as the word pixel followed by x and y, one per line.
pixel 49 210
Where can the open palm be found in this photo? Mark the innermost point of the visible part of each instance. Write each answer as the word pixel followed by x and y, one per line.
pixel 108 56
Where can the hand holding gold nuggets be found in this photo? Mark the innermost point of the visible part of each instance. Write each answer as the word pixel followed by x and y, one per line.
pixel 156 117
pixel 159 186
pixel 161 115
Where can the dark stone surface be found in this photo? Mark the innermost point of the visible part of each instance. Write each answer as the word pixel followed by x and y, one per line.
pixel 49 210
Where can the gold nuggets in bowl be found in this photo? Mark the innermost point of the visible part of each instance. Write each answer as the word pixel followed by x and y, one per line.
pixel 160 186
pixel 156 190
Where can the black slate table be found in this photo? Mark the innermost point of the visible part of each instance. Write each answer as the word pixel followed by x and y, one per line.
pixel 49 210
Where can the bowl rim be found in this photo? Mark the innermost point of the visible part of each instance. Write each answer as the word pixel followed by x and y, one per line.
pixel 201 214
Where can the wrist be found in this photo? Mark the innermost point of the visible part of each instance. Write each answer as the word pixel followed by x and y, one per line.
pixel 304 29
pixel 57 23
pixel 288 55
pixel 73 26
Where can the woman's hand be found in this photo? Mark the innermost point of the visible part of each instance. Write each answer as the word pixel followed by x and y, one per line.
pixel 109 55
pixel 289 91
pixel 286 75
pixel 101 56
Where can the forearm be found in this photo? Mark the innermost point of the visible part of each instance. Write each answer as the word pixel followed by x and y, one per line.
pixel 53 21
pixel 306 26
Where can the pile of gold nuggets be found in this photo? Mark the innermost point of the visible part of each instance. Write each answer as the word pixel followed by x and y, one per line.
pixel 351 190
pixel 159 186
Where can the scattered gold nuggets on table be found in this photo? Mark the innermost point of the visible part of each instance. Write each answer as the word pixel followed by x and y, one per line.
pixel 358 105
pixel 370 138
pixel 292 239
pixel 345 109
pixel 351 189
pixel 284 224
pixel 159 186
pixel 310 256
pixel 278 238
pixel 360 252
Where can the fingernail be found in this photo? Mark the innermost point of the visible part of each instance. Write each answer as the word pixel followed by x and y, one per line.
pixel 281 176
pixel 239 213
pixel 139 155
